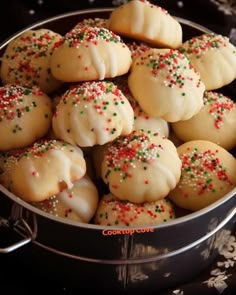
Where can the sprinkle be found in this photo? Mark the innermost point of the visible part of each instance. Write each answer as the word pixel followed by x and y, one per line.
pixel 48 205
pixel 13 100
pixel 92 22
pixel 171 64
pixel 37 150
pixel 200 169
pixel 219 106
pixel 137 49
pixel 125 213
pixel 88 36
pixel 101 96
pixel 155 6
pixel 124 151
pixel 23 65
pixel 201 44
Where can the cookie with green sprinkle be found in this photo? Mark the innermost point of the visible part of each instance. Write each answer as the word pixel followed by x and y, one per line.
pixel 41 170
pixel 91 113
pixel 112 211
pixel 141 167
pixel 90 53
pixel 25 116
pixel 166 84
pixel 208 173
pixel 214 57
pixel 26 60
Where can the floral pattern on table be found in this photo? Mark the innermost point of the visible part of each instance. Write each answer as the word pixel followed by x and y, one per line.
pixel 218 279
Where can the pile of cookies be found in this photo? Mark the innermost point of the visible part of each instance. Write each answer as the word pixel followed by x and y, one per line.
pixel 118 122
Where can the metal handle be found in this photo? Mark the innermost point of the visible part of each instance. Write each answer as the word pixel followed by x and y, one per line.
pixel 22 228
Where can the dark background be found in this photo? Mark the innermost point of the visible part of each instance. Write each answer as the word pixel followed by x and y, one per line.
pixel 17 14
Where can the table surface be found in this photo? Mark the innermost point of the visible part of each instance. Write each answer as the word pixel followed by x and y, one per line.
pixel 219 16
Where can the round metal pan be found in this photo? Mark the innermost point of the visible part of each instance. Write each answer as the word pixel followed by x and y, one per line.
pixel 130 259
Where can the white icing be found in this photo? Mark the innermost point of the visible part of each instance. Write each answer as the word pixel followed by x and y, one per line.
pixel 167 174
pixel 137 17
pixel 97 62
pixel 152 123
pixel 64 173
pixel 60 125
pixel 100 65
pixel 80 199
pixel 112 60
pixel 79 130
pixel 126 114
pixel 90 128
pixel 150 28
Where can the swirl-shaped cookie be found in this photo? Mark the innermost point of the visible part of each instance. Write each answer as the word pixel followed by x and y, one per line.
pixel 41 170
pixel 214 57
pixel 142 20
pixel 90 53
pixel 141 167
pixel 92 113
pixel 166 85
pixel 208 173
pixel 78 203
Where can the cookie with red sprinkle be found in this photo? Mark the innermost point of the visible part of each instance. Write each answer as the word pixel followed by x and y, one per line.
pixel 166 85
pixel 26 60
pixel 42 169
pixel 208 173
pixel 137 48
pixel 214 57
pixel 216 121
pixel 92 112
pixel 141 167
pixel 112 211
pixel 90 53
pixel 144 21
pixel 25 116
